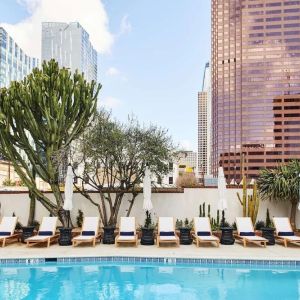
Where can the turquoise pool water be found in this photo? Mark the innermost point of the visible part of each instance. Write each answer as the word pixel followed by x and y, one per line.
pixel 143 281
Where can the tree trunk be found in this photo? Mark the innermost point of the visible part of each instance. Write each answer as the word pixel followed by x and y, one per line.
pixel 131 204
pixel 31 216
pixel 293 214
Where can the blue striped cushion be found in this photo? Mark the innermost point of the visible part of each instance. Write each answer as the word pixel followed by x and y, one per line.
pixel 203 233
pixel 167 233
pixel 45 233
pixel 127 233
pixel 247 233
pixel 288 233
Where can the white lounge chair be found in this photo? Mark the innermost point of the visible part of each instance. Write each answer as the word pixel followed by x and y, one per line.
pixel 46 233
pixel 7 229
pixel 89 231
pixel 246 232
pixel 203 233
pixel 284 231
pixel 127 233
pixel 166 231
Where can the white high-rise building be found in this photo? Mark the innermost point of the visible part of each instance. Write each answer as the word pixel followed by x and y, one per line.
pixel 69 44
pixel 204 124
pixel 14 63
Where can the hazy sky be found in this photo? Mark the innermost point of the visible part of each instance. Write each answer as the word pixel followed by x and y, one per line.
pixel 151 53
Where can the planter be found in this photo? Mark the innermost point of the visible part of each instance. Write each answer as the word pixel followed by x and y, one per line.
pixel 147 236
pixel 27 232
pixel 227 236
pixel 109 235
pixel 268 233
pixel 65 237
pixel 185 236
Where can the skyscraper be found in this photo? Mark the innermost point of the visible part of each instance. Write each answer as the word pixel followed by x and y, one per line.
pixel 204 124
pixel 69 44
pixel 14 63
pixel 255 85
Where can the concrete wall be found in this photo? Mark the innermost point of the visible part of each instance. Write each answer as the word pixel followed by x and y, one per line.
pixel 178 205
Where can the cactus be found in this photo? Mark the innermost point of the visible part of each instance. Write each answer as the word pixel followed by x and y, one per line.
pixel 203 209
pixel 208 212
pixel 250 203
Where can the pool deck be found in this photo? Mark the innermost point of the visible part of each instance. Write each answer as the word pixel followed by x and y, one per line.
pixel 236 251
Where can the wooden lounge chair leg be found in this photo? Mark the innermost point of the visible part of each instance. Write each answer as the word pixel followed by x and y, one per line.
pixel 94 242
pixel 244 242
pixel 218 243
pixel 3 243
pixel 48 243
pixel 285 243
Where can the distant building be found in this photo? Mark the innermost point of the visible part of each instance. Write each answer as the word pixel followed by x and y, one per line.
pixel 14 63
pixel 69 44
pixel 204 124
pixel 255 85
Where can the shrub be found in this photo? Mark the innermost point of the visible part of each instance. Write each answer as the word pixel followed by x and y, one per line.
pixel 79 219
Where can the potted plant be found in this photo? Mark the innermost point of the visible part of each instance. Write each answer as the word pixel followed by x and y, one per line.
pixel 185 231
pixel 148 230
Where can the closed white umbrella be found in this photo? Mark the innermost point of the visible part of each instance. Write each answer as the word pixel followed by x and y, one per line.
pixel 68 203
pixel 222 203
pixel 147 205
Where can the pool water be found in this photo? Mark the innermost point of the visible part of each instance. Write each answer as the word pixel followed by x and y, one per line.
pixel 143 281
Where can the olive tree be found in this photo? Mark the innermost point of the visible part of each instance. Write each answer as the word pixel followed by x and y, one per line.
pixel 112 161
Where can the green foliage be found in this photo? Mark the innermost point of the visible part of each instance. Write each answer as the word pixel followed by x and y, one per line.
pixel 53 107
pixel 8 182
pixel 259 225
pixel 250 203
pixel 184 224
pixel 36 224
pixel 281 185
pixel 148 221
pixel 216 222
pixel 19 224
pixel 114 159
pixel 269 222
pixel 79 218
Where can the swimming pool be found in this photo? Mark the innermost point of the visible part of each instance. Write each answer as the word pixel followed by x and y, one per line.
pixel 116 280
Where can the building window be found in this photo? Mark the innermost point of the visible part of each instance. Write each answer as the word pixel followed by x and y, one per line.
pixel 170 180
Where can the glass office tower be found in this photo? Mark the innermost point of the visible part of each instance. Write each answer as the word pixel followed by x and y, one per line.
pixel 255 85
pixel 14 63
pixel 69 44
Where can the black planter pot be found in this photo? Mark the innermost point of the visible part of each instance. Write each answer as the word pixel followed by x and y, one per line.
pixel 185 236
pixel 65 236
pixel 268 233
pixel 109 235
pixel 27 232
pixel 227 236
pixel 147 236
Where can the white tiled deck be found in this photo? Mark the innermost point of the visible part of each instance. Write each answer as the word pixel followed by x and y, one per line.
pixel 237 251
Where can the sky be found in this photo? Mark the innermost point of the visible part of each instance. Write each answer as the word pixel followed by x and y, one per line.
pixel 151 54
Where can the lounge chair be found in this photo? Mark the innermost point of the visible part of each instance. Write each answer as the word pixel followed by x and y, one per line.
pixel 246 232
pixel 7 229
pixel 89 232
pixel 46 233
pixel 203 231
pixel 284 231
pixel 166 231
pixel 127 232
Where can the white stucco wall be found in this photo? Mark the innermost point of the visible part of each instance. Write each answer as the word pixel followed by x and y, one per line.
pixel 178 205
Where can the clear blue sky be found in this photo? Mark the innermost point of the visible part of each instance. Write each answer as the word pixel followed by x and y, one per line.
pixel 155 66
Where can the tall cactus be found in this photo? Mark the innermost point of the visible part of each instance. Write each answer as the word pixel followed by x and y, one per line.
pixel 53 107
pixel 250 203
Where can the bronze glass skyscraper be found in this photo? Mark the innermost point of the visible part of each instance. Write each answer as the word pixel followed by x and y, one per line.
pixel 255 73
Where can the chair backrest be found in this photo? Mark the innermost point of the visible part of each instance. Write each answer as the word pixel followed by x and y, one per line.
pixel 127 224
pixel 244 224
pixel 91 224
pixel 282 224
pixel 166 224
pixel 48 224
pixel 202 224
pixel 8 224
